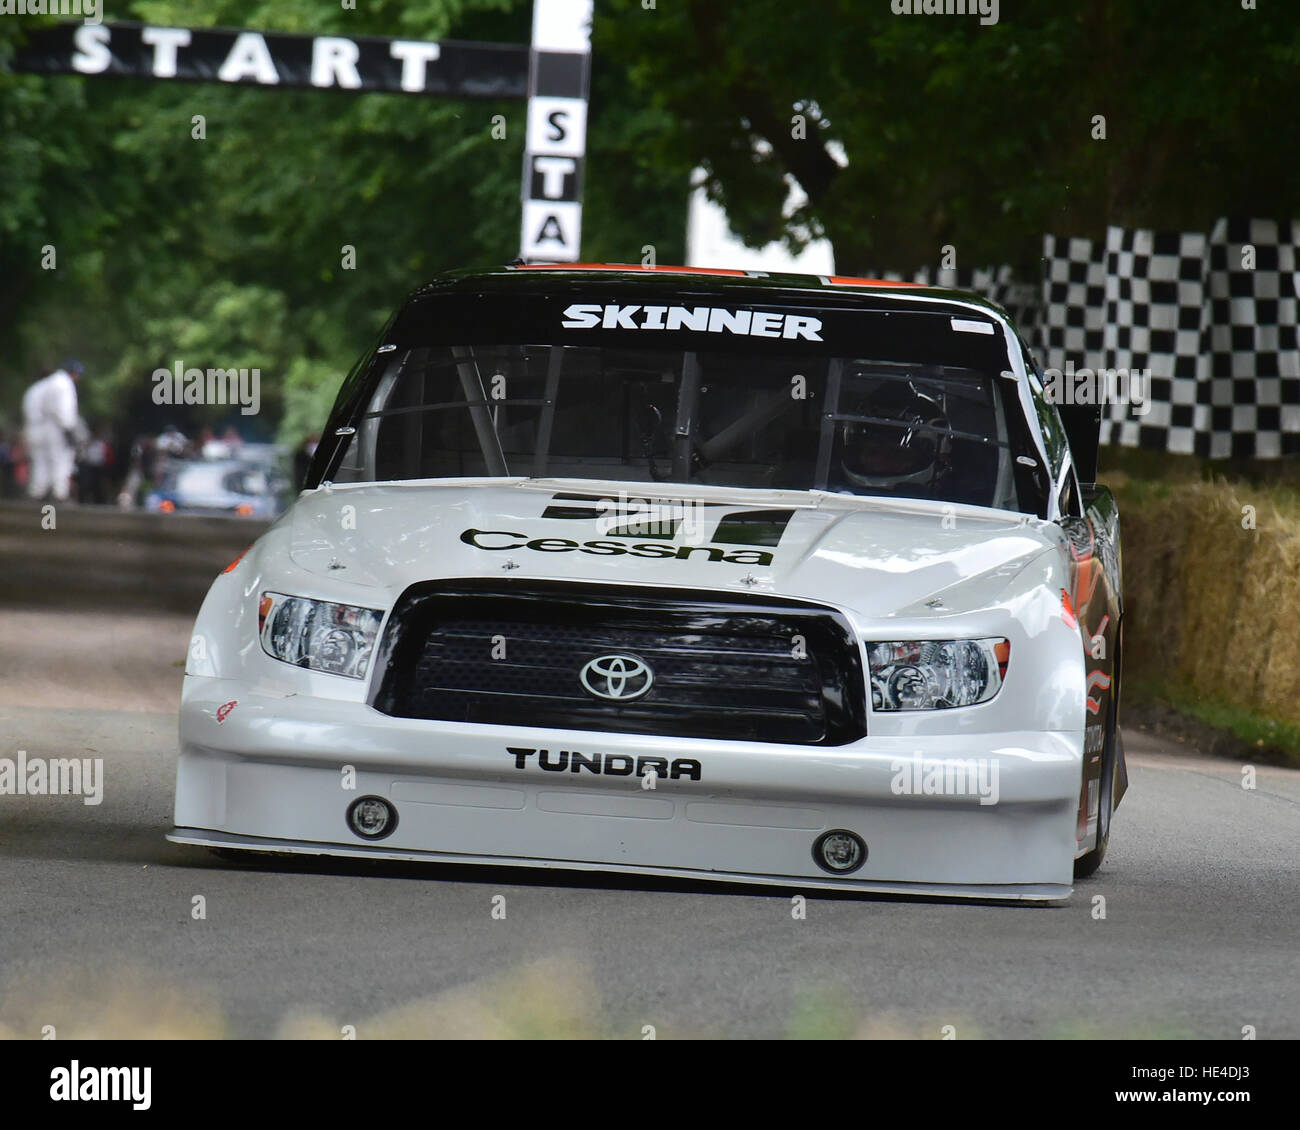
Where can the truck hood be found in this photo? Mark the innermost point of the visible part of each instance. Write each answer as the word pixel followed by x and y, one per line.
pixel 877 557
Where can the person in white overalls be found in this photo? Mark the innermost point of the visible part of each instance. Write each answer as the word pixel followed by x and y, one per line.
pixel 51 422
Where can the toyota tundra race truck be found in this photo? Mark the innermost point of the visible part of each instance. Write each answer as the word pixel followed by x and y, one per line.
pixel 770 579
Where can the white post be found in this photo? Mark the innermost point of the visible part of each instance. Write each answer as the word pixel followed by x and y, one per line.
pixel 556 143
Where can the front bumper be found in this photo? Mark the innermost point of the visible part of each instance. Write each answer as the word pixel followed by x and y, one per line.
pixel 277 773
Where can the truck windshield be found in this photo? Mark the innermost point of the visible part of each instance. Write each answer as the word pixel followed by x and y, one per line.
pixel 842 424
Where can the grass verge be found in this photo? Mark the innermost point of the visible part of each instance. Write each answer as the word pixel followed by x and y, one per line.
pixel 1216 727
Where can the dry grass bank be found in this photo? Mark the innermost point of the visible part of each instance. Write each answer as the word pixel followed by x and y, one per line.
pixel 1212 591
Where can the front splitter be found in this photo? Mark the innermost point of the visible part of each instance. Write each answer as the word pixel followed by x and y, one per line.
pixel 1041 893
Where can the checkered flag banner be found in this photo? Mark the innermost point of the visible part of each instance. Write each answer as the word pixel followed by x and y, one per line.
pixel 1210 321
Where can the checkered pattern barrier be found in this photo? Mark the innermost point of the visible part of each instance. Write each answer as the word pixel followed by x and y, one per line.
pixel 1213 331
pixel 1216 332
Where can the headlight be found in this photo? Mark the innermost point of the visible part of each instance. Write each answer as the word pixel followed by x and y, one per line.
pixel 336 638
pixel 936 674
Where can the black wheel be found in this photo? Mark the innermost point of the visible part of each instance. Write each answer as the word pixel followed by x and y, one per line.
pixel 1085 865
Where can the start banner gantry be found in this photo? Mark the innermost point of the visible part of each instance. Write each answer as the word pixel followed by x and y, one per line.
pixel 553 73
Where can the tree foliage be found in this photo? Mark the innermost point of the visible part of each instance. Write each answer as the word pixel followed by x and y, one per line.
pixel 229 251
pixel 981 137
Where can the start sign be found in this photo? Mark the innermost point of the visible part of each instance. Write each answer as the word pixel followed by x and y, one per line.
pixel 557 130
pixel 553 75
pixel 360 63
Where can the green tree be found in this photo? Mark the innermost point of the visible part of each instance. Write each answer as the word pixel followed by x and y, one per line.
pixel 977 136
pixel 286 235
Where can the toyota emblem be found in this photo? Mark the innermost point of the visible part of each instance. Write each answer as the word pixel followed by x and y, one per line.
pixel 620 678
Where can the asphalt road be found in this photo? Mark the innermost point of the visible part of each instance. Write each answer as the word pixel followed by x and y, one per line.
pixel 99 934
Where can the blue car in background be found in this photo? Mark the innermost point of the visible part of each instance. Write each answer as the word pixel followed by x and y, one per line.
pixel 241 487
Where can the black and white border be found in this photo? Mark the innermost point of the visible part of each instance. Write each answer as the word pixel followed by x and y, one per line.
pixel 556 142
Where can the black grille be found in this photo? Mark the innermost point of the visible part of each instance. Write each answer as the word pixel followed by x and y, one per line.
pixel 749 669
